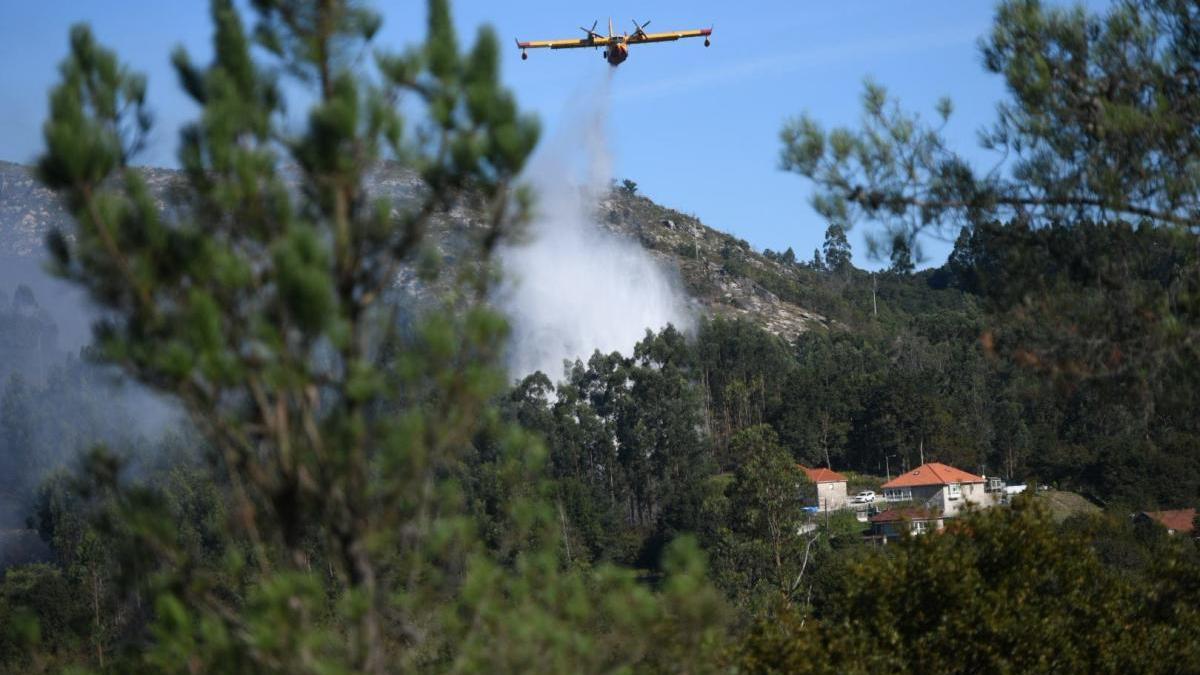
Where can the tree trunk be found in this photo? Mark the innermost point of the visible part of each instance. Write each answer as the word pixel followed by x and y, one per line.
pixel 98 637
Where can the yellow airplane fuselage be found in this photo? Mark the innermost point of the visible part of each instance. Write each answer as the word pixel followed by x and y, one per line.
pixel 616 47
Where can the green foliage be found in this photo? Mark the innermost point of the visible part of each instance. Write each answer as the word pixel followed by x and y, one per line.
pixel 1001 591
pixel 765 517
pixel 1090 320
pixel 788 257
pixel 1106 314
pixel 920 381
pixel 1101 122
pixel 625 454
pixel 361 492
pixel 16 436
pixel 902 257
pixel 629 187
pixel 527 620
pixel 744 370
pixel 328 527
pixel 40 621
pixel 837 248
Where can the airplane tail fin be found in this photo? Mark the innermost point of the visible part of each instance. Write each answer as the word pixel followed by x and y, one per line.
pixel 610 26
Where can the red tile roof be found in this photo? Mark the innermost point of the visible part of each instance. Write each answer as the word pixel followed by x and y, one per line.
pixel 932 473
pixel 1180 520
pixel 913 513
pixel 820 475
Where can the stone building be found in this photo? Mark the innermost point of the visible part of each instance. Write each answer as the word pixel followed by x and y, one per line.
pixel 830 493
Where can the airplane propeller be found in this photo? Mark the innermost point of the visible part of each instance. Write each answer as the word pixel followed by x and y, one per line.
pixel 591 32
pixel 640 30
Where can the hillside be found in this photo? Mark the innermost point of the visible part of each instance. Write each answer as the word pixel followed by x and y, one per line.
pixel 722 275
pixel 27 211
pixel 721 272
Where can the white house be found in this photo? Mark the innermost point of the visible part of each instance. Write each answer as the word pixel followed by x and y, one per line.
pixel 942 488
pixel 831 488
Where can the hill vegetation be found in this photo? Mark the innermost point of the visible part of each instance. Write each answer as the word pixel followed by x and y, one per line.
pixel 357 487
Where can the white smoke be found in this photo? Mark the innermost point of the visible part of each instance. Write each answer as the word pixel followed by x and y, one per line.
pixel 574 287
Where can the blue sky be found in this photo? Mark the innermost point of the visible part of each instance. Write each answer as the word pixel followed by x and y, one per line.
pixel 696 128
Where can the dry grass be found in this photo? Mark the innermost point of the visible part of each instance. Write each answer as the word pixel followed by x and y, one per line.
pixel 1065 504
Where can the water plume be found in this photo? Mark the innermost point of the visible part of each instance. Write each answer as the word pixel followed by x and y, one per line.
pixel 574 287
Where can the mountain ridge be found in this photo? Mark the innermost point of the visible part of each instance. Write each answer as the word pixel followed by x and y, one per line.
pixel 721 274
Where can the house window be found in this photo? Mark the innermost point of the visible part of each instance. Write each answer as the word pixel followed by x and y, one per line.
pixel 955 491
pixel 899 495
pixel 919 527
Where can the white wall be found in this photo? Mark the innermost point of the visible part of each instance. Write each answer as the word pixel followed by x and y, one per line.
pixel 832 496
pixel 968 493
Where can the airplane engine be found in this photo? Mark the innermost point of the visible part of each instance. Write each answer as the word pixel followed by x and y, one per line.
pixel 616 54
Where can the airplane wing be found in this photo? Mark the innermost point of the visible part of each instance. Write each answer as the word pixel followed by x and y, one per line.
pixel 598 41
pixel 643 37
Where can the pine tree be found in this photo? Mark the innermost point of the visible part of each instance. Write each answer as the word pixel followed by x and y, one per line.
pixel 265 311
pixel 1102 122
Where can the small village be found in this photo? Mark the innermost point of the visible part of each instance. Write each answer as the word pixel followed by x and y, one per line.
pixel 926 498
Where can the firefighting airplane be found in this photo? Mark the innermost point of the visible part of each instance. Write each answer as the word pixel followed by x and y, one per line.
pixel 616 47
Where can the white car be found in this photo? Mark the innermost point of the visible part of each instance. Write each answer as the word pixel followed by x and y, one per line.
pixel 864 497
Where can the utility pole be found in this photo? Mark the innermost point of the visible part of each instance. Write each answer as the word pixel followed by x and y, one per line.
pixel 922 449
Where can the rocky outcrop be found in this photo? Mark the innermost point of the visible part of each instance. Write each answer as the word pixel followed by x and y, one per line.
pixel 722 275
pixel 27 211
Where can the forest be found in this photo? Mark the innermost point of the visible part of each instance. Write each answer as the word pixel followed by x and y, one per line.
pixel 342 485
